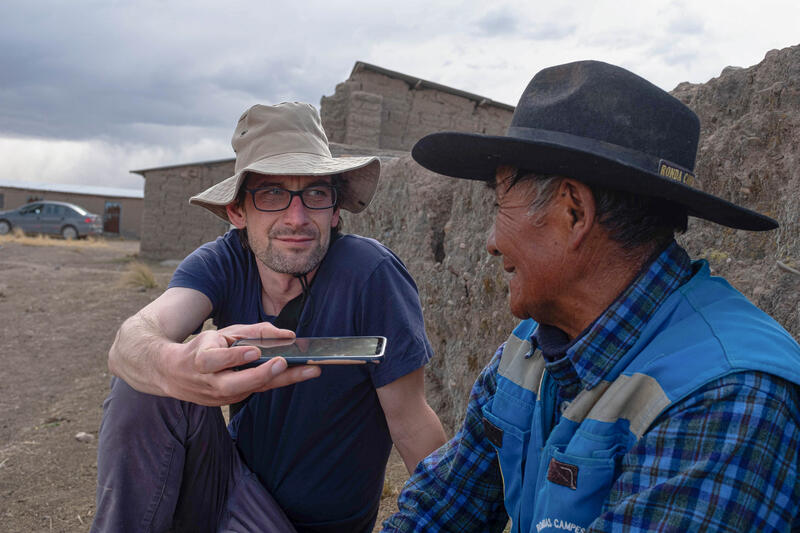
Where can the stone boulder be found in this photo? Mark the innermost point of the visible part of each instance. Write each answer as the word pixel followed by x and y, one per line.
pixel 750 154
pixel 437 226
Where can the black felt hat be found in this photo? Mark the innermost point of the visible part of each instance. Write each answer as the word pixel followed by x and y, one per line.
pixel 599 124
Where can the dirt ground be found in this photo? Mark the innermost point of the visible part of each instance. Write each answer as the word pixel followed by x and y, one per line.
pixel 60 305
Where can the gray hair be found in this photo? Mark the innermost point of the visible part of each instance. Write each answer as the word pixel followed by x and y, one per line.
pixel 632 220
pixel 545 188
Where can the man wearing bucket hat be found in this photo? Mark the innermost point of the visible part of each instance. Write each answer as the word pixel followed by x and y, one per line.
pixel 638 393
pixel 305 455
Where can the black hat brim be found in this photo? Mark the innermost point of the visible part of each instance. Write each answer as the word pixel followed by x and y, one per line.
pixel 476 157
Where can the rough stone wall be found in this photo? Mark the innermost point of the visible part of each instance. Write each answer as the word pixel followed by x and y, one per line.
pixel 748 153
pixel 437 226
pixel 375 110
pixel 171 227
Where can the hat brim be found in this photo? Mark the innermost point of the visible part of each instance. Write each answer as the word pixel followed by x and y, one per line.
pixel 476 157
pixel 359 179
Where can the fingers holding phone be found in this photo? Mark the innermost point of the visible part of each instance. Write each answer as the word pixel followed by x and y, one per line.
pixel 274 374
pixel 218 350
pixel 203 372
pixel 262 330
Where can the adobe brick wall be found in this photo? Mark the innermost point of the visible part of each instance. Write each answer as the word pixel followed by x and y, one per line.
pixel 171 227
pixel 375 110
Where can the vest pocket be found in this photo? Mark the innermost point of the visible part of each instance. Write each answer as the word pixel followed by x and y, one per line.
pixel 511 442
pixel 574 487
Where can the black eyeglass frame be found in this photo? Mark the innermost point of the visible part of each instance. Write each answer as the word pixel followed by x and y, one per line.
pixel 292 194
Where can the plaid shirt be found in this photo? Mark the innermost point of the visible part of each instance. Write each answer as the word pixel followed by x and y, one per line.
pixel 727 458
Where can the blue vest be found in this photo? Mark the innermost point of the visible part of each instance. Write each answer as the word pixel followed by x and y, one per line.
pixel 557 478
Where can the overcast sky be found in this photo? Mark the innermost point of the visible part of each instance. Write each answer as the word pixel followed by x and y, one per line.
pixel 91 89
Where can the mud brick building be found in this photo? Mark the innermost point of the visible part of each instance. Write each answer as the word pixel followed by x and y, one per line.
pixel 374 112
pixel 171 227
pixel 380 108
pixel 121 208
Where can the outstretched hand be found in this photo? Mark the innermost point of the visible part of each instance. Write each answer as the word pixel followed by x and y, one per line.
pixel 202 370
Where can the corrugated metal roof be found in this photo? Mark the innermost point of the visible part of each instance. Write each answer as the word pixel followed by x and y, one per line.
pixel 116 192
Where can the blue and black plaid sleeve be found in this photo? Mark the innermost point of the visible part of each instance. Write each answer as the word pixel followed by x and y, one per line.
pixel 459 486
pixel 725 459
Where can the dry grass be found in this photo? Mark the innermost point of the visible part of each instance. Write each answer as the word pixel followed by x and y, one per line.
pixel 18 237
pixel 139 276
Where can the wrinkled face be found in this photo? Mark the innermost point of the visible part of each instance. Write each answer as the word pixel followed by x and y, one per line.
pixel 292 241
pixel 532 248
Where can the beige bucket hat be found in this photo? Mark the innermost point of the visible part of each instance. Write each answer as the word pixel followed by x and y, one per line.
pixel 288 139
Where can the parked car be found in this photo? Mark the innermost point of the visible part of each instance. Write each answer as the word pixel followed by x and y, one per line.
pixel 55 218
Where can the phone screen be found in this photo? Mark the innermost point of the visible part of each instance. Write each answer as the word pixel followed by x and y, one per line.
pixel 318 350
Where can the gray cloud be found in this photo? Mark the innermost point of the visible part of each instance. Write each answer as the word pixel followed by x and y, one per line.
pixel 498 22
pixel 97 69
pixel 153 82
pixel 510 23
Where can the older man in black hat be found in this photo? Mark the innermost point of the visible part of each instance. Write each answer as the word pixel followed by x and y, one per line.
pixel 301 455
pixel 639 393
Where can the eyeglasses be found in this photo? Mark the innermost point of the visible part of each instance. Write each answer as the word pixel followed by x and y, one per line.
pixel 274 198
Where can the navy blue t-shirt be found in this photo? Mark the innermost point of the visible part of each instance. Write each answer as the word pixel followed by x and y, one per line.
pixel 320 447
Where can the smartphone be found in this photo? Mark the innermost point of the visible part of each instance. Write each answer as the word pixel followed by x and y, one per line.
pixel 317 350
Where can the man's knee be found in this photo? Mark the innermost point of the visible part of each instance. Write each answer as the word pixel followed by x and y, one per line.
pixel 127 411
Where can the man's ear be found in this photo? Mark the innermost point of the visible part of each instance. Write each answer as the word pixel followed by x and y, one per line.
pixel 578 203
pixel 236 215
pixel 335 217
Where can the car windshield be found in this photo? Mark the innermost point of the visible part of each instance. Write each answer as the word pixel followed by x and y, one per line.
pixel 81 211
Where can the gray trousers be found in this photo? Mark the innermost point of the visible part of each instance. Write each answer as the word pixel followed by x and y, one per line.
pixel 168 465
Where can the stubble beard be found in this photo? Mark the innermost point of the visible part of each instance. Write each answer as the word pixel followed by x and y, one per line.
pixel 285 262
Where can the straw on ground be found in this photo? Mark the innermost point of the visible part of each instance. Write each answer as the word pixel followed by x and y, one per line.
pixel 138 275
pixel 17 236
